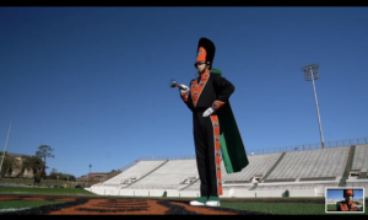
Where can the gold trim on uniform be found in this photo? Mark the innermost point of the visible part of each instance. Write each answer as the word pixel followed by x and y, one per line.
pixel 217 138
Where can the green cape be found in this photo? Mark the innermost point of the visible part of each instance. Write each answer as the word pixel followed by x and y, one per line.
pixel 232 146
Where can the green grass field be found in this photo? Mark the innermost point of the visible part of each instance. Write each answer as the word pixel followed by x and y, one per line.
pixel 8 206
pixel 274 208
pixel 44 191
pixel 283 208
pixel 331 207
pixel 278 208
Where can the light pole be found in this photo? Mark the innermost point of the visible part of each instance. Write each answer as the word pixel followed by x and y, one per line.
pixel 89 171
pixel 310 74
pixel 6 143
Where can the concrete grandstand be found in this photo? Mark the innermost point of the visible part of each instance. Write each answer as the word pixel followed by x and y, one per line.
pixel 304 170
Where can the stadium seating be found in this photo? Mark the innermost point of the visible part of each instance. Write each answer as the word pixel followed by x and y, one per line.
pixel 360 161
pixel 171 175
pixel 320 163
pixel 304 172
pixel 135 172
pixel 259 165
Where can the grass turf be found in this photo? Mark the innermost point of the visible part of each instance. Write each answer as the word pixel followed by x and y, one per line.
pixel 283 208
pixel 44 191
pixel 45 182
pixel 274 208
pixel 9 206
pixel 331 207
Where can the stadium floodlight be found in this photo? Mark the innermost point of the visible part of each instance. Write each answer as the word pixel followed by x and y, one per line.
pixel 6 143
pixel 310 74
pixel 89 172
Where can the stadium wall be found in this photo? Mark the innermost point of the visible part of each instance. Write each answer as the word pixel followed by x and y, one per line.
pixel 230 193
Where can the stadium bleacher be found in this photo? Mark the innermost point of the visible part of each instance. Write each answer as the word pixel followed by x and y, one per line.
pixel 328 162
pixel 134 173
pixel 309 170
pixel 172 174
pixel 360 161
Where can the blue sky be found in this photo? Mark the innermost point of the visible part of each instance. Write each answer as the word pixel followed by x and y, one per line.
pixel 93 83
pixel 339 194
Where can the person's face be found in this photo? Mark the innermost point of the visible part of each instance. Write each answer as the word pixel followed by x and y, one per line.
pixel 201 67
pixel 349 197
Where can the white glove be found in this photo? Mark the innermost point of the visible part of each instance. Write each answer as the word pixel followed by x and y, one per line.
pixel 183 91
pixel 358 207
pixel 208 112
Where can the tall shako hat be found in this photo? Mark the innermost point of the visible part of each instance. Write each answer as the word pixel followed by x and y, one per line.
pixel 348 191
pixel 206 52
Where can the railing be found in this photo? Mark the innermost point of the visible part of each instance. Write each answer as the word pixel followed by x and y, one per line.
pixel 154 158
pixel 172 157
pixel 317 179
pixel 279 180
pixel 304 186
pixel 130 165
pixel 108 184
pixel 328 144
pixel 236 187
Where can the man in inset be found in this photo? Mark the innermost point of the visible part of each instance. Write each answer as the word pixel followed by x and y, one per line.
pixel 348 204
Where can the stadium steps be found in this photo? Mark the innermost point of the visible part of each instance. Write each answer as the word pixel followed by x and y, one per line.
pixel 273 167
pixel 189 184
pixel 254 187
pixel 147 174
pixel 349 164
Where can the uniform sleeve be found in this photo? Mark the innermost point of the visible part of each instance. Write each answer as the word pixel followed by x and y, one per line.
pixel 338 207
pixel 185 96
pixel 224 89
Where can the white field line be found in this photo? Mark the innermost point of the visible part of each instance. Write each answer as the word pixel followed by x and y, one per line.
pixel 12 210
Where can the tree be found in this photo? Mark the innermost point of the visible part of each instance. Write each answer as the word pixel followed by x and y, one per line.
pixel 6 153
pixel 7 167
pixel 32 162
pixel 36 163
pixel 44 151
pixel 38 175
pixel 53 171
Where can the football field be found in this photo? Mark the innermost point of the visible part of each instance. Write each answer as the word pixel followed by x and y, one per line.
pixel 49 201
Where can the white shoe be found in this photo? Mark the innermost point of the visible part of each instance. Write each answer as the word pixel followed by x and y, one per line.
pixel 196 203
pixel 213 203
